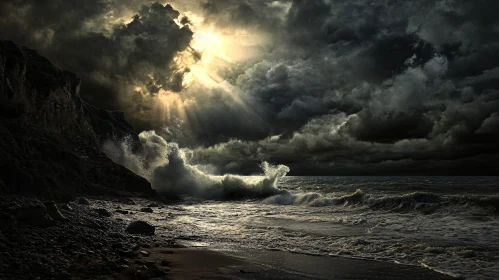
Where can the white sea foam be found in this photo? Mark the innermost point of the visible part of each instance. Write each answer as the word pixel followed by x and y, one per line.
pixel 315 199
pixel 167 167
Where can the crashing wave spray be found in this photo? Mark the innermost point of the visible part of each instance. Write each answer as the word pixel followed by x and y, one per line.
pixel 166 166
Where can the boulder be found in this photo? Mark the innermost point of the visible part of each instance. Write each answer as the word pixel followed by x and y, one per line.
pixel 146 210
pixel 140 227
pixel 103 212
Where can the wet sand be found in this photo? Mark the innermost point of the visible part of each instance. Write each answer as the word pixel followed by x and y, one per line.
pixel 194 263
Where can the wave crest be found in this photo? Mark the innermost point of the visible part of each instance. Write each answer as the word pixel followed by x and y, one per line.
pixel 167 167
pixel 423 202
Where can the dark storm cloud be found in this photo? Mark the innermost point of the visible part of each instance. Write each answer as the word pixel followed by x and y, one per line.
pixel 390 127
pixel 112 57
pixel 224 12
pixel 338 87
pixel 243 13
pixel 376 87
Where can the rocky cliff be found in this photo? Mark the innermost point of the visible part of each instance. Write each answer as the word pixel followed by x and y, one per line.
pixel 49 137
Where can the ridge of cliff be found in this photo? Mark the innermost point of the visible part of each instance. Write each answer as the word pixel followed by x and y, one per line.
pixel 50 138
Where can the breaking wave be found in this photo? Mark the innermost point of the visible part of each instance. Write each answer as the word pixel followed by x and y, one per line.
pixel 424 202
pixel 316 199
pixel 167 168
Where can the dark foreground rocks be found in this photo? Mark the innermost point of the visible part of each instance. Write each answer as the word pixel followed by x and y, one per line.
pixel 141 227
pixel 50 138
pixel 74 242
pixel 146 210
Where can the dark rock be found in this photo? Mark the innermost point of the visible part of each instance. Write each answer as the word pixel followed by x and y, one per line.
pixel 140 227
pixel 146 210
pixel 128 253
pixel 83 200
pixel 153 205
pixel 150 264
pixel 103 212
pixel 53 211
pixel 124 212
pixel 34 215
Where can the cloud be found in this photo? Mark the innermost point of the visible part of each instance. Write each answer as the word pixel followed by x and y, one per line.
pixel 490 125
pixel 113 56
pixel 326 87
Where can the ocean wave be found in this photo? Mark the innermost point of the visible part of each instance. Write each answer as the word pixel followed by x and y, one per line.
pixel 167 168
pixel 315 199
pixel 424 202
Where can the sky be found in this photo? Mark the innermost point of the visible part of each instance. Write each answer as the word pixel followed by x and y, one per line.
pixel 326 87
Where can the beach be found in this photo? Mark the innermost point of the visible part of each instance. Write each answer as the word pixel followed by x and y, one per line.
pixel 91 242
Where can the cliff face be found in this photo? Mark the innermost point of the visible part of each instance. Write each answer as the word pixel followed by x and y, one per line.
pixel 49 137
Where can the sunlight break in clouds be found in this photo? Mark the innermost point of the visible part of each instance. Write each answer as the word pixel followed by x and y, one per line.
pixel 213 51
pixel 413 80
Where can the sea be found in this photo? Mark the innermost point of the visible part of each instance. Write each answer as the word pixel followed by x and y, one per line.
pixel 446 224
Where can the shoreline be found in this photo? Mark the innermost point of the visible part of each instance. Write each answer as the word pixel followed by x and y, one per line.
pixel 89 241
pixel 203 263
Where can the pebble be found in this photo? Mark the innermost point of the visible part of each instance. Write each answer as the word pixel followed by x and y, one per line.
pixel 144 253
pixel 146 210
